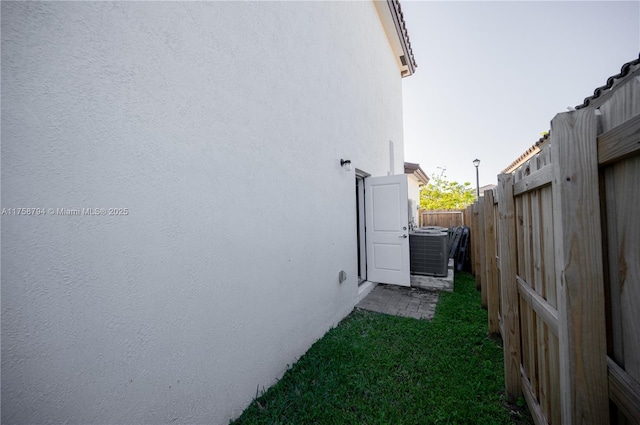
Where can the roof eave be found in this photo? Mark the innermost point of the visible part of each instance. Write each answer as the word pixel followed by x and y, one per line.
pixel 395 27
pixel 415 170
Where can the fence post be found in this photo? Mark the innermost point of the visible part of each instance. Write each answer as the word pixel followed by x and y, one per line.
pixel 579 270
pixel 508 287
pixel 468 213
pixel 482 253
pixel 491 271
pixel 475 238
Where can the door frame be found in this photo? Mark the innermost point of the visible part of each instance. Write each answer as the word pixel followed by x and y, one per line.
pixel 361 239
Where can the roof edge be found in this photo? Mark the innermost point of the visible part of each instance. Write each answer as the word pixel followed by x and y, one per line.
pixel 395 27
pixel 417 171
pixel 599 95
pixel 403 33
pixel 612 81
pixel 535 148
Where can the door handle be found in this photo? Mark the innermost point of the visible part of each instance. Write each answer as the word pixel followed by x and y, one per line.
pixel 403 236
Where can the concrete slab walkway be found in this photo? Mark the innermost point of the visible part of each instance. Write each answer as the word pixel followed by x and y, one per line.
pixel 418 301
pixel 401 301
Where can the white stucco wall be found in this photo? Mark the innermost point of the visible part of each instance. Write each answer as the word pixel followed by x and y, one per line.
pixel 414 198
pixel 220 127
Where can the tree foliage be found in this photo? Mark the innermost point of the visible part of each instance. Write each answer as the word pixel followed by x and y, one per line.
pixel 441 194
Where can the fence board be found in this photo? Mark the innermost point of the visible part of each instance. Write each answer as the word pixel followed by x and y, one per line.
pixel 623 103
pixel 525 337
pixel 622 181
pixel 545 155
pixel 491 274
pixel 468 212
pixel 509 291
pixel 539 288
pixel 614 281
pixel 476 245
pixel 496 223
pixel 482 253
pixel 529 331
pixel 578 245
pixel 551 336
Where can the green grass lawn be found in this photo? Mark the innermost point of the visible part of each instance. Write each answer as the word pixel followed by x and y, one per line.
pixel 379 369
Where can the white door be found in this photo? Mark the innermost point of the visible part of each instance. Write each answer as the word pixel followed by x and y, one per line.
pixel 387 229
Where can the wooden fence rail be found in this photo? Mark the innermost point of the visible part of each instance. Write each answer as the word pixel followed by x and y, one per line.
pixel 556 253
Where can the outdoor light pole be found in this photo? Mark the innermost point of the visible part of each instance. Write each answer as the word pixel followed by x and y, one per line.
pixel 476 162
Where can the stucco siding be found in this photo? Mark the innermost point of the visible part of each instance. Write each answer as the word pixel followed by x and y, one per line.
pixel 219 127
pixel 414 198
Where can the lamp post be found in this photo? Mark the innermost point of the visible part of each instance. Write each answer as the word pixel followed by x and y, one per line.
pixel 476 162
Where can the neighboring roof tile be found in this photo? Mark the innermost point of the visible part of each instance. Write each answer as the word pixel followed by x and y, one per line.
pixel 526 154
pixel 626 69
pixel 612 81
pixel 486 187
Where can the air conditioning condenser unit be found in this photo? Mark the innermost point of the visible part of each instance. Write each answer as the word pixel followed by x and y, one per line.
pixel 429 252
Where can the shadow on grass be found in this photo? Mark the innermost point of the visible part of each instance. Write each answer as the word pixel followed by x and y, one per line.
pixel 374 368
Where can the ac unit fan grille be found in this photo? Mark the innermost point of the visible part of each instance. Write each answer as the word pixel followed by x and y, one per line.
pixel 429 253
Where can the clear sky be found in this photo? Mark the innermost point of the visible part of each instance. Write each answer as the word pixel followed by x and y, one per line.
pixel 492 75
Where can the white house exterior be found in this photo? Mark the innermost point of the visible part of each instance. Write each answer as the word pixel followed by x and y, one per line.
pixel 175 214
pixel 416 178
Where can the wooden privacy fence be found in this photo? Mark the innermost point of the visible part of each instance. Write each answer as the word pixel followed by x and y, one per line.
pixel 442 218
pixel 556 253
